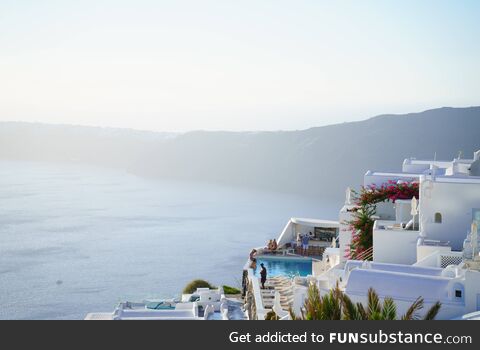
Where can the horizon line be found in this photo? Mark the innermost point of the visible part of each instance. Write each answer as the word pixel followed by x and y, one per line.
pixel 229 131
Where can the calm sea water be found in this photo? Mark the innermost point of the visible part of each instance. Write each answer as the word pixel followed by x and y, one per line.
pixel 76 239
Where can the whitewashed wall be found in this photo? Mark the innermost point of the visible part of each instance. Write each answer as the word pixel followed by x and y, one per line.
pixel 373 178
pixel 395 246
pixel 344 233
pixel 455 202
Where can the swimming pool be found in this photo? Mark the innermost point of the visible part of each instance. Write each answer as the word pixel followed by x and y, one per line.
pixel 284 266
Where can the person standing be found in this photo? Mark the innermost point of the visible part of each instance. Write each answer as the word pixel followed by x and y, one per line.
pixel 305 240
pixel 274 245
pixel 263 275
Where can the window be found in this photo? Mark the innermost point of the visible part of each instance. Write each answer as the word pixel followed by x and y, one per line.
pixel 438 218
pixel 326 234
pixel 458 291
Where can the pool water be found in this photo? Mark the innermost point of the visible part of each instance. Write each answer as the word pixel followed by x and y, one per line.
pixel 280 266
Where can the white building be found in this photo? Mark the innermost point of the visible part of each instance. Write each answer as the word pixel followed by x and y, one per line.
pixel 434 255
pixel 204 304
pixel 429 251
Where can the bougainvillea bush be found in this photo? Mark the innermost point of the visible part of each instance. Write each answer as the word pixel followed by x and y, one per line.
pixel 366 201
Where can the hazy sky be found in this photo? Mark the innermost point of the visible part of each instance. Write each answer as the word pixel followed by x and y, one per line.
pixel 234 65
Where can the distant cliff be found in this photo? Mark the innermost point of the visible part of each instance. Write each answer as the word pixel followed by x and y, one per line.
pixel 319 161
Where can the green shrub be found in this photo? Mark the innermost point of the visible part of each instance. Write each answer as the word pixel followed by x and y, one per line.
pixel 231 290
pixel 192 286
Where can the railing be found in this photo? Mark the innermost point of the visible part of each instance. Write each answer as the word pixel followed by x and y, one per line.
pixel 256 309
pixel 365 255
pixel 435 243
pixel 441 259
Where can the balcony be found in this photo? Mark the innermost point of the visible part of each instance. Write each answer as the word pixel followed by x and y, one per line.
pixel 393 243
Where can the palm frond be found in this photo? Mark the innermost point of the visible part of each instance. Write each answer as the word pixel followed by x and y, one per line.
pixel 350 311
pixel 433 311
pixel 362 312
pixel 331 307
pixel 412 312
pixel 336 305
pixel 389 310
pixel 313 304
pixel 373 302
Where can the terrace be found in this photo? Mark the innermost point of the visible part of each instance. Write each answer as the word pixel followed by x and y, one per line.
pixel 394 242
pixel 289 267
pixel 321 234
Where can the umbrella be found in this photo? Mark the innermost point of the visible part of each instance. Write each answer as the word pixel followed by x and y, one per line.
pixel 414 210
pixel 348 196
pixel 474 239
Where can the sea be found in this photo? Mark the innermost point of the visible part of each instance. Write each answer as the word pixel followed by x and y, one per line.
pixel 76 238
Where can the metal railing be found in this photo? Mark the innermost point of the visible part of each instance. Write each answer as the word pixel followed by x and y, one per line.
pixel 365 255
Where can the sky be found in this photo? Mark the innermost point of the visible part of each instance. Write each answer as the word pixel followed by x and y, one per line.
pixel 234 65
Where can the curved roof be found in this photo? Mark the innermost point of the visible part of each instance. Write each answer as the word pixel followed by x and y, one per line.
pixel 315 222
pixel 410 269
pixel 397 285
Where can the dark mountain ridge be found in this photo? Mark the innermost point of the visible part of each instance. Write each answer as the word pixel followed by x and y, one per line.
pixel 319 161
